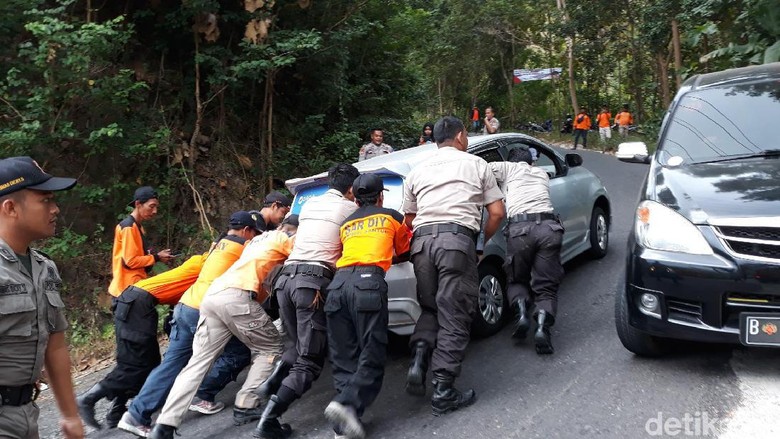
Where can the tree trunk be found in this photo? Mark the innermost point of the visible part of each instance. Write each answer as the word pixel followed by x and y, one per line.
pixel 663 78
pixel 570 55
pixel 677 53
pixel 636 75
pixel 509 83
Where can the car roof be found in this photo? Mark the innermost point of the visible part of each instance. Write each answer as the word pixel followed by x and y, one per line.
pixel 401 162
pixel 743 74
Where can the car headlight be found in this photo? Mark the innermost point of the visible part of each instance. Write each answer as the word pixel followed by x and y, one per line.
pixel 660 228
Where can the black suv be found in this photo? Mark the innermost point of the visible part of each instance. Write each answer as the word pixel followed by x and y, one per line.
pixel 704 255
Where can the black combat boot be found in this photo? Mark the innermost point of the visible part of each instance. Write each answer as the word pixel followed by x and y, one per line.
pixel 162 431
pixel 447 398
pixel 269 426
pixel 116 409
pixel 271 385
pixel 418 368
pixel 245 416
pixel 542 338
pixel 523 323
pixel 87 401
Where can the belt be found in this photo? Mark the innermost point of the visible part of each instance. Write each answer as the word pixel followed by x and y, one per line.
pixel 521 217
pixel 310 269
pixel 373 269
pixel 435 229
pixel 18 395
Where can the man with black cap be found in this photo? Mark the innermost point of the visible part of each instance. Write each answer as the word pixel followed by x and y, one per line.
pixel 356 304
pixel 131 258
pixel 533 245
pixel 276 206
pixel 32 333
pixel 299 290
pixel 443 200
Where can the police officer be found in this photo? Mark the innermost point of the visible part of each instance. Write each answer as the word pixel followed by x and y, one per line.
pixel 356 305
pixel 533 236
pixel 299 290
pixel 375 147
pixel 33 324
pixel 443 197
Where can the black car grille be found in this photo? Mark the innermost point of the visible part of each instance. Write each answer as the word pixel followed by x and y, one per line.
pixel 683 310
pixel 752 242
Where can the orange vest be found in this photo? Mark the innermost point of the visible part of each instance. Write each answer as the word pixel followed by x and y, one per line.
pixel 370 235
pixel 624 118
pixel 168 287
pixel 222 256
pixel 130 259
pixel 603 119
pixel 584 125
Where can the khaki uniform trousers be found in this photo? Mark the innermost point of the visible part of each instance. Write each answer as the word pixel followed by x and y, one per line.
pixel 19 421
pixel 222 315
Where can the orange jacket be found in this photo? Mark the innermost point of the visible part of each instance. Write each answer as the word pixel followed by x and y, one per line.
pixel 222 256
pixel 603 119
pixel 130 259
pixel 168 287
pixel 584 125
pixel 371 235
pixel 624 118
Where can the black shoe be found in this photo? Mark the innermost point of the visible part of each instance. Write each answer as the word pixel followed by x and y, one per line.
pixel 523 323
pixel 162 431
pixel 447 398
pixel 269 426
pixel 418 368
pixel 345 420
pixel 245 416
pixel 116 409
pixel 271 385
pixel 542 338
pixel 86 404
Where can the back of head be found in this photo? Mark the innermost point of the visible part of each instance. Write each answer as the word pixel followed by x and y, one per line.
pixel 518 155
pixel 447 128
pixel 341 176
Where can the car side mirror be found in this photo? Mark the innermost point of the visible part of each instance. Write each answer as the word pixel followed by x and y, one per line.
pixel 633 152
pixel 573 160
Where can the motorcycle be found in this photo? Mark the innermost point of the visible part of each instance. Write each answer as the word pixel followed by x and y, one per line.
pixel 567 127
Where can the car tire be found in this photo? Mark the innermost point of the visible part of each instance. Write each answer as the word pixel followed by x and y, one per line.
pixel 599 233
pixel 493 306
pixel 636 341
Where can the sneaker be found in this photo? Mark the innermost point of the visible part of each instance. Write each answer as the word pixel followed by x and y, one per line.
pixel 345 417
pixel 206 407
pixel 130 425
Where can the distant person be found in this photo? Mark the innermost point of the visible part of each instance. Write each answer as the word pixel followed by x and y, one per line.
pixel 427 134
pixel 376 146
pixel 475 119
pixel 581 127
pixel 623 120
pixel 604 120
pixel 492 124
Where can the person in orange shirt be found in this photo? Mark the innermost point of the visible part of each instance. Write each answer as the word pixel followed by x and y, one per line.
pixel 604 118
pixel 232 307
pixel 581 127
pixel 623 120
pixel 137 349
pixel 356 304
pixel 131 260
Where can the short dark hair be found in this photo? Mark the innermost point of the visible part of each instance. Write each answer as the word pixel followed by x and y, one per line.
pixel 447 128
pixel 367 200
pixel 520 155
pixel 341 176
pixel 371 131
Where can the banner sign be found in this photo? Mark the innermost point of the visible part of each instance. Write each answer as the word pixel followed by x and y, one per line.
pixel 525 75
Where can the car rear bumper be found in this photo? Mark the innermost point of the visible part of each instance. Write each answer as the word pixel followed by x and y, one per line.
pixel 402 298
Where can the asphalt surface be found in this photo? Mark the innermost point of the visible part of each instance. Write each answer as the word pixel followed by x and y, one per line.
pixel 590 387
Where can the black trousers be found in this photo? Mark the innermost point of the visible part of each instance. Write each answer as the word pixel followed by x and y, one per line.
pixel 581 134
pixel 301 302
pixel 356 309
pixel 533 264
pixel 137 349
pixel 445 266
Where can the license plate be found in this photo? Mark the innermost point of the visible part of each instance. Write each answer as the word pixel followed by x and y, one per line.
pixel 759 329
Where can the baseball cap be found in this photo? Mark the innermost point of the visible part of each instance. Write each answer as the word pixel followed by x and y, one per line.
pixel 291 220
pixel 143 194
pixel 277 197
pixel 17 173
pixel 242 218
pixel 367 185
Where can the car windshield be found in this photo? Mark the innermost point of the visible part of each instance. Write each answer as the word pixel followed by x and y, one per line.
pixel 393 196
pixel 723 122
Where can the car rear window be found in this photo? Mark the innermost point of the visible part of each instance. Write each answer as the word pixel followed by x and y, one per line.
pixel 724 121
pixel 393 196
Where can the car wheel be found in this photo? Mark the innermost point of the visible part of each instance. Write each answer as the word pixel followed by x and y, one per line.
pixel 492 308
pixel 599 233
pixel 636 341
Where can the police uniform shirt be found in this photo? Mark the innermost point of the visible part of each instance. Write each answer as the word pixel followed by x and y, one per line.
pixel 451 186
pixel 494 123
pixel 317 239
pixel 527 188
pixel 370 235
pixel 30 309
pixel 371 149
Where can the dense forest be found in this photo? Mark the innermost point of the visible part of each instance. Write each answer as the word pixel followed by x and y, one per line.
pixel 215 102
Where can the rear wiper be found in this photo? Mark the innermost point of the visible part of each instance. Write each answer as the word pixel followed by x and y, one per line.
pixel 766 153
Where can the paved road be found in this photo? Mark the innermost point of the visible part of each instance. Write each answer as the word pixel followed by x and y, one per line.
pixel 591 387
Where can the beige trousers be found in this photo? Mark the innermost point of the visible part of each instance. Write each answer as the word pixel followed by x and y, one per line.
pixel 224 314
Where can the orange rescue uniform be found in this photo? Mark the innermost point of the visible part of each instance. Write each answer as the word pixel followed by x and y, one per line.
pixel 624 118
pixel 370 235
pixel 130 260
pixel 584 124
pixel 603 119
pixel 168 287
pixel 222 256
